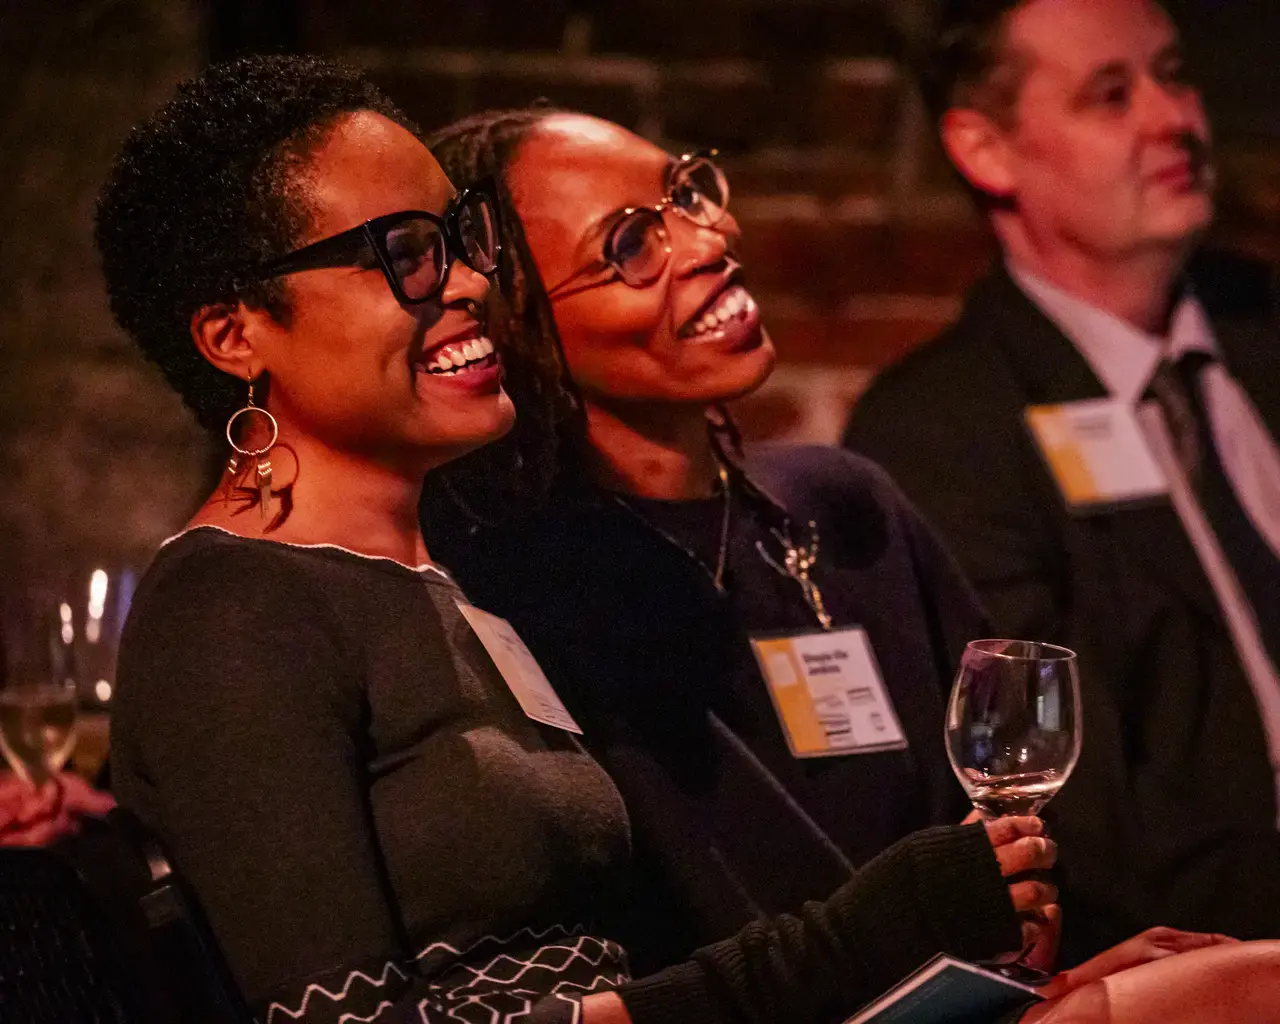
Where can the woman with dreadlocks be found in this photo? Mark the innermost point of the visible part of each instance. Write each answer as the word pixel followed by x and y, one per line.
pixel 676 593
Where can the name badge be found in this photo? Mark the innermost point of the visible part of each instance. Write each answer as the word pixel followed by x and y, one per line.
pixel 519 669
pixel 1097 454
pixel 827 690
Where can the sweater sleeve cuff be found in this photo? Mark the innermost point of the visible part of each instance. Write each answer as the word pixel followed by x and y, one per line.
pixel 959 877
pixel 958 902
pixel 676 995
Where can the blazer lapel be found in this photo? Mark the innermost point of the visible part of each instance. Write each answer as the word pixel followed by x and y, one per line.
pixel 1051 370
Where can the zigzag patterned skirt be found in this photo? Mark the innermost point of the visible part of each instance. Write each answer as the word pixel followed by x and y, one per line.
pixel 527 978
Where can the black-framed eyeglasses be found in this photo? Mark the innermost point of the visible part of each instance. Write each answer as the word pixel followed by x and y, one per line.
pixel 413 248
pixel 637 247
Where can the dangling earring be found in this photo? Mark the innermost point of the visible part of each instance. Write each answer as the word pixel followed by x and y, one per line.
pixel 261 463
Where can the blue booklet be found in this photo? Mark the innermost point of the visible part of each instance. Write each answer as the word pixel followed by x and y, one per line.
pixel 947 991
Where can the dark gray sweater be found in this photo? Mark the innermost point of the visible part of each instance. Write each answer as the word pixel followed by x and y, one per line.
pixel 374 827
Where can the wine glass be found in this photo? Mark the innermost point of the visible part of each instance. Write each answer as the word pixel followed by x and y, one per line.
pixel 1013 738
pixel 38 686
pixel 1013 724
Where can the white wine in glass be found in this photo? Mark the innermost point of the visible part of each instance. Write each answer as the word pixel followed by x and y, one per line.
pixel 1013 724
pixel 37 728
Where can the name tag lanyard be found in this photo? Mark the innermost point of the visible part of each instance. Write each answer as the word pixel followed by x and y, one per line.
pixel 798 560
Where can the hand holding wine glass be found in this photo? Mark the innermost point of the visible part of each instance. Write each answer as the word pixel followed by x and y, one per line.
pixel 31 816
pixel 1013 738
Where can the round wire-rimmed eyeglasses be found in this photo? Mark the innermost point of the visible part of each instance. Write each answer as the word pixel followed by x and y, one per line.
pixel 637 247
pixel 414 249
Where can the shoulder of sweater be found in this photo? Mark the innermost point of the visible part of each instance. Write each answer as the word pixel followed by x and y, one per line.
pixel 204 556
pixel 207 575
pixel 825 472
pixel 850 492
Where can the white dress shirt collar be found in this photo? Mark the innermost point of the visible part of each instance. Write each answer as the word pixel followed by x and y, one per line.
pixel 1123 357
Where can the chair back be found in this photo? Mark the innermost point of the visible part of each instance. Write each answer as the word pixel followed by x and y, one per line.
pixel 58 962
pixel 102 930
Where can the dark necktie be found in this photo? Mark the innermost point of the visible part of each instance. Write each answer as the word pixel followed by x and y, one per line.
pixel 1176 387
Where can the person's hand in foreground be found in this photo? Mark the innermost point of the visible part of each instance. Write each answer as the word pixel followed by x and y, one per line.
pixel 1143 948
pixel 31 816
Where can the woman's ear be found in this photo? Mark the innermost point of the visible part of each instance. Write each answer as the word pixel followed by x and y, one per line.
pixel 225 334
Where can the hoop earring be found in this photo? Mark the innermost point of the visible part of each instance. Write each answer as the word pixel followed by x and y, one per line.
pixel 258 456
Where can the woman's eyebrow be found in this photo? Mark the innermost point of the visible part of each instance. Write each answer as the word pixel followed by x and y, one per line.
pixel 605 223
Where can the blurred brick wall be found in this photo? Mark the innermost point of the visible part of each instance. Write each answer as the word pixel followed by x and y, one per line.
pixel 856 238
pixel 98 458
pixel 857 241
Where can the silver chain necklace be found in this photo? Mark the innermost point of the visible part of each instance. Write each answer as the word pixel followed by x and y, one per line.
pixel 798 560
pixel 717 577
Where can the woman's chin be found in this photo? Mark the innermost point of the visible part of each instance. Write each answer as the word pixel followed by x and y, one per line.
pixel 744 372
pixel 464 435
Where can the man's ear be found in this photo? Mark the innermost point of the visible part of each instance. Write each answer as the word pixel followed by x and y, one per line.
pixel 979 150
pixel 224 333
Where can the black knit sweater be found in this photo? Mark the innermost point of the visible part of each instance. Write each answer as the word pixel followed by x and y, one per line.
pixel 615 598
pixel 376 830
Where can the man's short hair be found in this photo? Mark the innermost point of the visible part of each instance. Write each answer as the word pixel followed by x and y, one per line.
pixel 967 62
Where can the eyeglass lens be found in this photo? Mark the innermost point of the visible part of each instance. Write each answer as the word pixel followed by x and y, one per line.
pixel 699 191
pixel 639 245
pixel 416 248
pixel 416 251
pixel 478 231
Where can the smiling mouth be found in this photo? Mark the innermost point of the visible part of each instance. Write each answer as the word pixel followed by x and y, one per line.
pixel 733 304
pixel 462 356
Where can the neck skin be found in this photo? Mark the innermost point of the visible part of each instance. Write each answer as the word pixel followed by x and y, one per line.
pixel 334 498
pixel 1136 287
pixel 652 451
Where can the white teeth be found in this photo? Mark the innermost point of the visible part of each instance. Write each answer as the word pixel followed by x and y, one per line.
pixel 709 319
pixel 724 313
pixel 453 357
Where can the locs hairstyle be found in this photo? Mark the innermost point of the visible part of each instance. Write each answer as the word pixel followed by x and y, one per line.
pixel 549 437
pixel 206 190
pixel 548 446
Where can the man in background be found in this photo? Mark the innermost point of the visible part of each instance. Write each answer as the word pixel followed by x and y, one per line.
pixel 1096 440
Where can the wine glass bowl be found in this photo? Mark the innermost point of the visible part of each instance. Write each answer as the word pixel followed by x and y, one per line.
pixel 1013 724
pixel 37 728
pixel 39 673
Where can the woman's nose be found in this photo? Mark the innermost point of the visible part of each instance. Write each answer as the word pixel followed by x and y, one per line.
pixel 464 284
pixel 697 247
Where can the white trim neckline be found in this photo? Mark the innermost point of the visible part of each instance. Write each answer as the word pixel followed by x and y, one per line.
pixel 424 567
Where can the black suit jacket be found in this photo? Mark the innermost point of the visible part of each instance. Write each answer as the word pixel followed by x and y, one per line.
pixel 1170 817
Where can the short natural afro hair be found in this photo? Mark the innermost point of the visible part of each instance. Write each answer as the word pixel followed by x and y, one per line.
pixel 206 190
